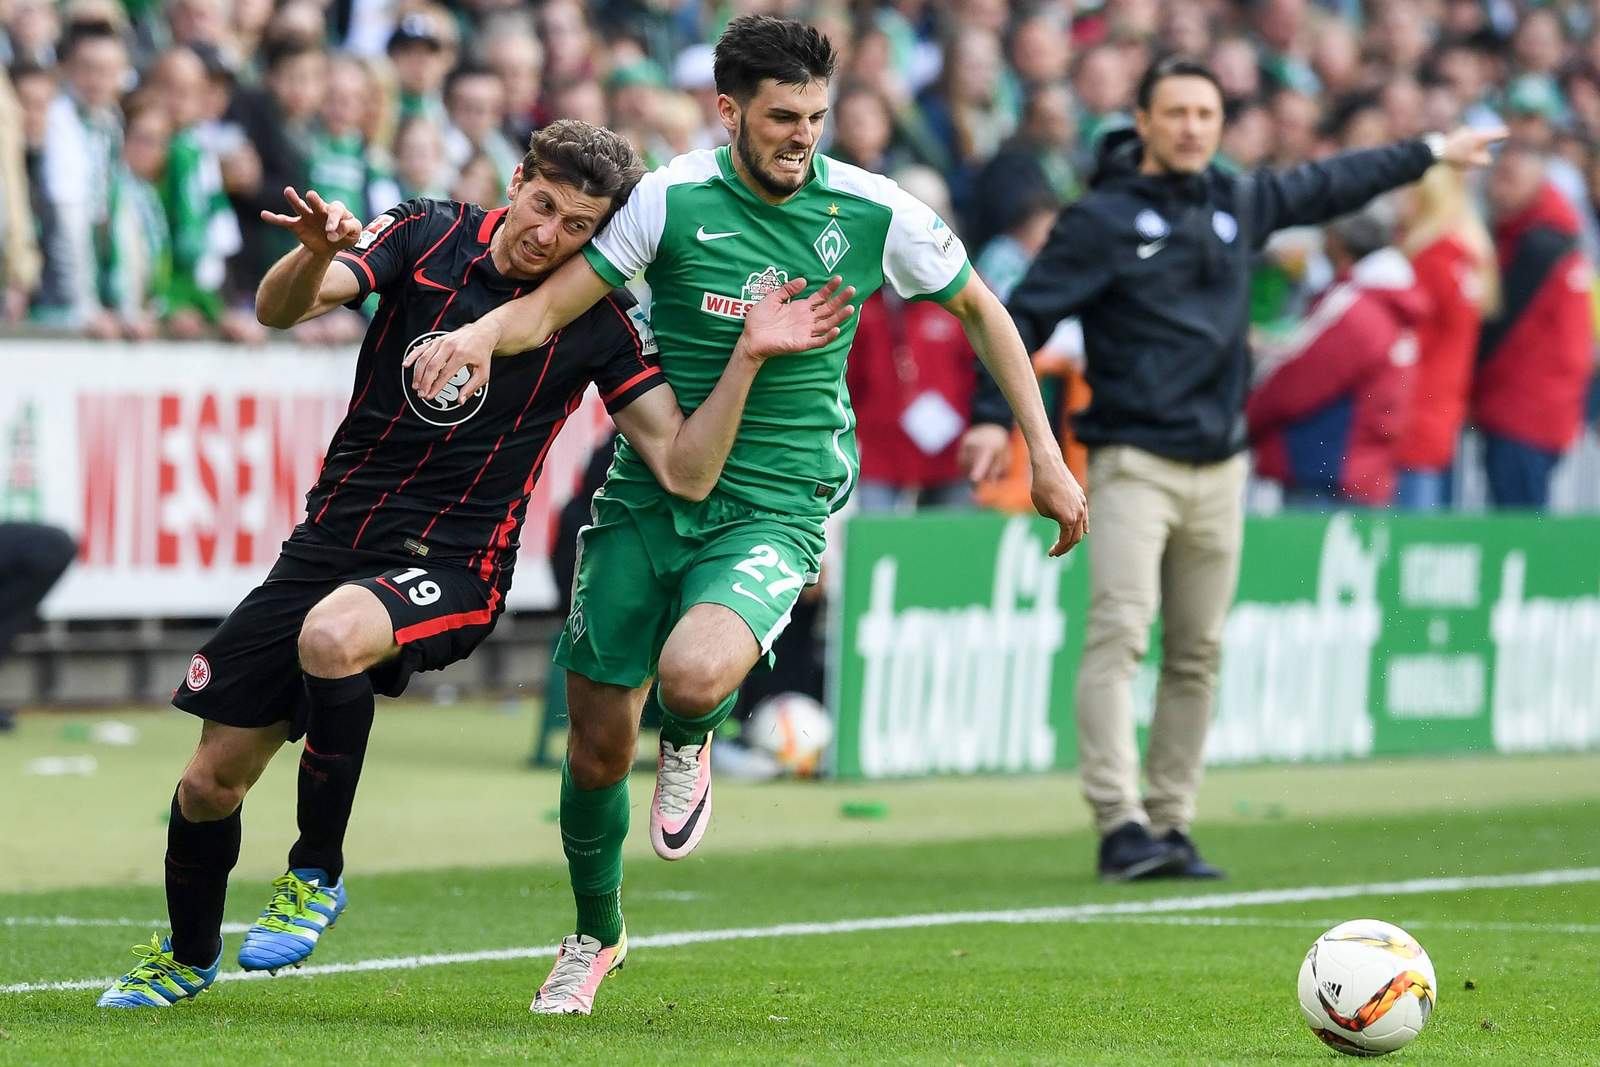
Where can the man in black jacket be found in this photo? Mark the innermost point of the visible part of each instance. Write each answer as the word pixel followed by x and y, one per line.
pixel 1155 261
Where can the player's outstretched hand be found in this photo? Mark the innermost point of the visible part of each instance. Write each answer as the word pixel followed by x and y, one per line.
pixel 323 228
pixel 439 361
pixel 1467 147
pixel 1057 495
pixel 781 324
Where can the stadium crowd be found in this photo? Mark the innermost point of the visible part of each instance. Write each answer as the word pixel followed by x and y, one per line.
pixel 140 139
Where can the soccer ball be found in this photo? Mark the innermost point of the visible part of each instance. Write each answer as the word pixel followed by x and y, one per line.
pixel 794 728
pixel 1366 988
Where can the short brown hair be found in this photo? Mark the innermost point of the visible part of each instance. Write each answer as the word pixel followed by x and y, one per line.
pixel 586 157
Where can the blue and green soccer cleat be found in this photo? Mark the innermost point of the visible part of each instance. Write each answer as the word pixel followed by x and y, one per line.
pixel 159 981
pixel 301 908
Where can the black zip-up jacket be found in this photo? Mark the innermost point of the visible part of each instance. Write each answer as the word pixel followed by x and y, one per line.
pixel 1157 269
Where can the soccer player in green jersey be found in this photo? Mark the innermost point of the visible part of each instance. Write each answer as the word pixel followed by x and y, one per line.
pixel 694 593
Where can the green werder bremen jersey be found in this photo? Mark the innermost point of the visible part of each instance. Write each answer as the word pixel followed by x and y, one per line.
pixel 709 249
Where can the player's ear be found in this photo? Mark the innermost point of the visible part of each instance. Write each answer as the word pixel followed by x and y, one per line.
pixel 728 111
pixel 514 185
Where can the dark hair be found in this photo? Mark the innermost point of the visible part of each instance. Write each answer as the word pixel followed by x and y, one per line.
pixel 590 159
pixel 83 31
pixel 284 47
pixel 1172 67
pixel 464 71
pixel 756 47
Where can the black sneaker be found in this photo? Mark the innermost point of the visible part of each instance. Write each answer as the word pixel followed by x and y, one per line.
pixel 1129 852
pixel 1192 866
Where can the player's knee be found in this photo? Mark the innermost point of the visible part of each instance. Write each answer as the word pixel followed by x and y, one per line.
pixel 204 795
pixel 331 643
pixel 594 764
pixel 691 688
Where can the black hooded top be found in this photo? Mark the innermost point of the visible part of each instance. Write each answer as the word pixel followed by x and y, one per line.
pixel 1157 269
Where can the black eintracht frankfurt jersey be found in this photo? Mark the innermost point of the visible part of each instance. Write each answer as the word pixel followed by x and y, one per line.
pixel 444 481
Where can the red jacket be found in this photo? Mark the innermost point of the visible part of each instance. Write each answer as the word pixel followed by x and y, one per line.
pixel 1535 358
pixel 911 372
pixel 1328 415
pixel 1447 347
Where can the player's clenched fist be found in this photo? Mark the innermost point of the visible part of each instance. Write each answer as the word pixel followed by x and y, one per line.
pixel 323 228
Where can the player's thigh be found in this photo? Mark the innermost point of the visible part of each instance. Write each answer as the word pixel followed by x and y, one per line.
pixel 738 596
pixel 247 674
pixel 346 632
pixel 621 608
pixel 436 615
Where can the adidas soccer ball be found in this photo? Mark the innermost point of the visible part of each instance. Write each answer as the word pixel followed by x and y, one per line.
pixel 794 728
pixel 1367 987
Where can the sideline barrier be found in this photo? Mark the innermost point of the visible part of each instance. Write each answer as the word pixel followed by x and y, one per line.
pixel 181 468
pixel 955 642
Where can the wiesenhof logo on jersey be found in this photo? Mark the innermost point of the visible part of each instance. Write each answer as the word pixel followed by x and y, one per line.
pixel 446 409
pixel 758 285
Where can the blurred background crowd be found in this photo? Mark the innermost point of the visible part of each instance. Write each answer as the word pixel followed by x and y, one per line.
pixel 139 140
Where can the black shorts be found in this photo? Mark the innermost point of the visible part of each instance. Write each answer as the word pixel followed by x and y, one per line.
pixel 248 673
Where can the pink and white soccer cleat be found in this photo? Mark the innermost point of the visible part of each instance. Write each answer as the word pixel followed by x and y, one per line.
pixel 581 965
pixel 681 810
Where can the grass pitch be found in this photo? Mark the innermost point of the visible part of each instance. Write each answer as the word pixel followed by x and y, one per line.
pixel 982 935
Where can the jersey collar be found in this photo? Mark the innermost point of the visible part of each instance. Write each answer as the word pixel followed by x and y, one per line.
pixel 724 155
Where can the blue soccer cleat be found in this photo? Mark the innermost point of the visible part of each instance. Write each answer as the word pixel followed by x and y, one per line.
pixel 301 908
pixel 159 981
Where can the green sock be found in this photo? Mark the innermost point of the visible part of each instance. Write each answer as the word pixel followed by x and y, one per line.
pixel 681 731
pixel 594 823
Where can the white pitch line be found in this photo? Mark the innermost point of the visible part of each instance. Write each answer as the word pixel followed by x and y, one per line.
pixel 1324 923
pixel 1063 914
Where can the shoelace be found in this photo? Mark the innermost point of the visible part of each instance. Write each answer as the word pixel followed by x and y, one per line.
pixel 290 895
pixel 680 770
pixel 156 964
pixel 571 970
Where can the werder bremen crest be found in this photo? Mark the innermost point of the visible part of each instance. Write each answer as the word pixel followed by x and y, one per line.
pixel 762 282
pixel 831 244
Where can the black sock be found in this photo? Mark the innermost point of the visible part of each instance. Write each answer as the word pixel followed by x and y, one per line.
pixel 200 856
pixel 336 744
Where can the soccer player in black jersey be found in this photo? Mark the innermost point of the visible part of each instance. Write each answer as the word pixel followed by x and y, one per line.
pixel 410 534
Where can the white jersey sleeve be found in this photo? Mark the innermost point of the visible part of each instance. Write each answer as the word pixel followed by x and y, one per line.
pixel 922 256
pixel 629 242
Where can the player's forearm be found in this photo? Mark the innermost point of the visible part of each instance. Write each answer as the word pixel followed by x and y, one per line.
pixel 995 339
pixel 291 288
pixel 700 449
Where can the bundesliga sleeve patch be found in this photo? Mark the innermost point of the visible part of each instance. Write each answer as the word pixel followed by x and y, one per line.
pixel 373 228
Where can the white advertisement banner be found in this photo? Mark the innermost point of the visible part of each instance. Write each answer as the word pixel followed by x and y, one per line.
pixel 180 468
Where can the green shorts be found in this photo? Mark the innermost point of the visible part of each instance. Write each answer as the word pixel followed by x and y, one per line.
pixel 648 557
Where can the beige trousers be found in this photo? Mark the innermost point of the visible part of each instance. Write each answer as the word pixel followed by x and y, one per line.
pixel 1166 537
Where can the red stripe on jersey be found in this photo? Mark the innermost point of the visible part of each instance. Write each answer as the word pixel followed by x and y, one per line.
pixel 486 231
pixel 394 312
pixel 348 257
pixel 440 317
pixel 502 534
pixel 648 372
pixel 444 623
pixel 461 210
pixel 328 502
pixel 397 490
pixel 638 346
pixel 468 272
pixel 390 232
pixel 490 458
